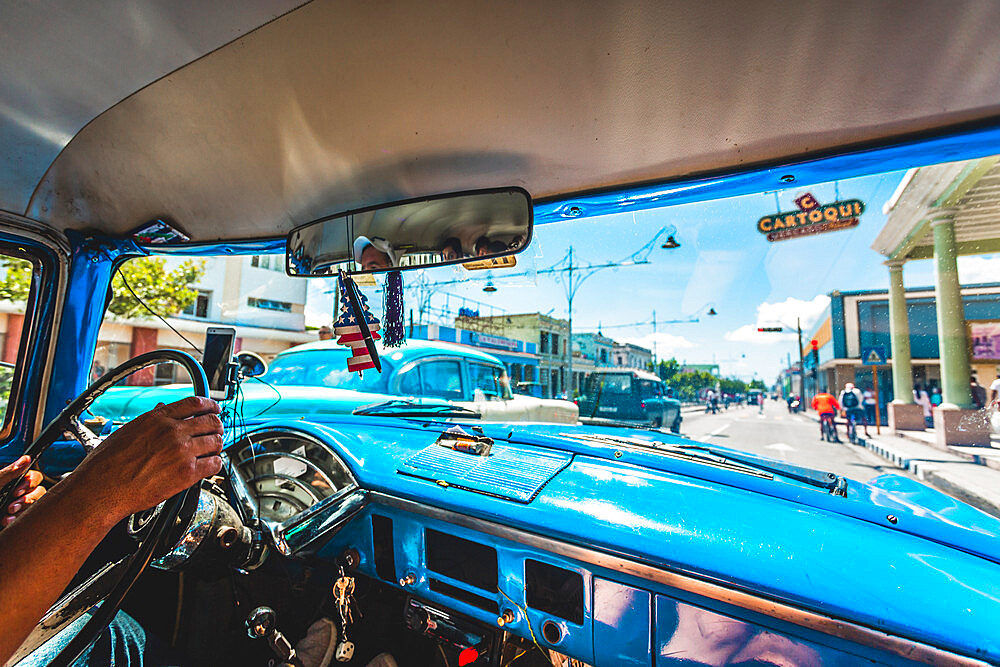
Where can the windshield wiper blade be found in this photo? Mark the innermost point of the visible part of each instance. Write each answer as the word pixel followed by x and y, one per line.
pixel 836 484
pixel 401 408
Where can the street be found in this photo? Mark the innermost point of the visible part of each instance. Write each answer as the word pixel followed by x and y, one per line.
pixel 780 435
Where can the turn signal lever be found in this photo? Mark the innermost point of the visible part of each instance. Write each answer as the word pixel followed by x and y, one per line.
pixel 262 624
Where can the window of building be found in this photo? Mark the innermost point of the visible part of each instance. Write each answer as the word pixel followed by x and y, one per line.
pixel 269 304
pixel 269 262
pixel 543 342
pixel 199 307
pixel 555 343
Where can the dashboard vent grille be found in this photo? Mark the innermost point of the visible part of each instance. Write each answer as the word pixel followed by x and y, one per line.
pixel 510 472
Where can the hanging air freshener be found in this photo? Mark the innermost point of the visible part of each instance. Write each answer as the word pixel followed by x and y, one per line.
pixel 348 332
pixel 395 333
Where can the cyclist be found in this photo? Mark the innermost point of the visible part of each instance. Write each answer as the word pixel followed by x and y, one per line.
pixel 852 401
pixel 827 406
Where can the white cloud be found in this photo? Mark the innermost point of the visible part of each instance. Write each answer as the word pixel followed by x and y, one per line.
pixel 666 344
pixel 781 314
pixel 979 269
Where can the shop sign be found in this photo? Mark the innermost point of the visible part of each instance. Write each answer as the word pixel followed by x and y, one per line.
pixel 811 218
pixel 485 340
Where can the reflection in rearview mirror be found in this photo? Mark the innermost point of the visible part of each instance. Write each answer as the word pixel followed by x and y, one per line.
pixel 444 229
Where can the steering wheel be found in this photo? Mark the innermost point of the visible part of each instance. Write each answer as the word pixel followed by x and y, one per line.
pixel 110 583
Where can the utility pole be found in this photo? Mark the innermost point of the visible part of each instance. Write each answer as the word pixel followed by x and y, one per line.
pixel 655 368
pixel 569 343
pixel 802 365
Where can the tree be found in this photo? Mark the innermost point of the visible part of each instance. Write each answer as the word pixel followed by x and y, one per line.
pixel 166 293
pixel 666 369
pixel 16 282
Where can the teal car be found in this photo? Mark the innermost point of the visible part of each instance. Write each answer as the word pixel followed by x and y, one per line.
pixel 313 379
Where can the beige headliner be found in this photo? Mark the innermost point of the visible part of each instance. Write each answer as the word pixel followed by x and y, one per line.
pixel 339 105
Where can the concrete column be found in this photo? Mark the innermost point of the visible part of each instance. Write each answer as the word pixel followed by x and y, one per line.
pixel 953 342
pixel 955 422
pixel 904 414
pixel 899 333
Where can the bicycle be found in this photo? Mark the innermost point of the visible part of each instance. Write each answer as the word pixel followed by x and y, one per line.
pixel 829 430
pixel 852 428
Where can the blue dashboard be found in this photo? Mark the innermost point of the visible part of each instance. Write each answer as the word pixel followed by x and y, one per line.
pixel 612 551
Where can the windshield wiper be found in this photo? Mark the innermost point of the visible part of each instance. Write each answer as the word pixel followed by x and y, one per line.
pixel 747 463
pixel 836 484
pixel 401 408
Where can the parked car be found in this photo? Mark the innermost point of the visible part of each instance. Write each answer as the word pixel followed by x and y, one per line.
pixel 629 395
pixel 658 143
pixel 312 379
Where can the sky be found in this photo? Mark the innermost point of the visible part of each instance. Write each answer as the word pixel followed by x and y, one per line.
pixel 723 263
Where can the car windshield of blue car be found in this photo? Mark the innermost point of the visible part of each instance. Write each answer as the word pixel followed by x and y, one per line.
pixel 325 369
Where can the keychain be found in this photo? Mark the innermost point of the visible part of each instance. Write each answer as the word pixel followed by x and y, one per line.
pixel 343 592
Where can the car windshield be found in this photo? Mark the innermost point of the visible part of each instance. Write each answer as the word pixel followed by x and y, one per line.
pixel 325 369
pixel 879 290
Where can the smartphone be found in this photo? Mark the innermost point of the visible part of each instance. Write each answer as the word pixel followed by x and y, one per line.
pixel 219 343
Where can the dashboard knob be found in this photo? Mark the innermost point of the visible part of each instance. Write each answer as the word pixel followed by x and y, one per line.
pixel 408 580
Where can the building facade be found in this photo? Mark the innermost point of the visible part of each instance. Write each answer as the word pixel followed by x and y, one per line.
pixel 549 335
pixel 856 322
pixel 627 355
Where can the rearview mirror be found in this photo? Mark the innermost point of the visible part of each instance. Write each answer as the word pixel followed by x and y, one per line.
pixel 419 233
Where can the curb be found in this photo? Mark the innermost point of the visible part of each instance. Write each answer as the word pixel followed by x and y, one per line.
pixel 989 462
pixel 927 471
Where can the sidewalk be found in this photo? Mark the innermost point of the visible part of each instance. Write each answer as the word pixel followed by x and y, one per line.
pixel 971 474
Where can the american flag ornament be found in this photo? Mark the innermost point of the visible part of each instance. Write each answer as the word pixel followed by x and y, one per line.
pixel 349 334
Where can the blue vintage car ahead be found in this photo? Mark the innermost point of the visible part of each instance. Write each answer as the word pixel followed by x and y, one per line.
pixel 555 168
pixel 313 379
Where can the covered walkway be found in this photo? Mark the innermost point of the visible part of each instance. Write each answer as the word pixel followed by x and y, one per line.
pixel 939 213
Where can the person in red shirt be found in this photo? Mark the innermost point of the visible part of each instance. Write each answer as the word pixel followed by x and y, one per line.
pixel 826 405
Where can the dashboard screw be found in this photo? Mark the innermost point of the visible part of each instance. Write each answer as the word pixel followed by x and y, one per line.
pixel 408 580
pixel 618 455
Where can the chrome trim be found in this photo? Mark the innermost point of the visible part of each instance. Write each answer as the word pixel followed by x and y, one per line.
pixel 292 538
pixel 846 630
pixel 193 536
pixel 57 242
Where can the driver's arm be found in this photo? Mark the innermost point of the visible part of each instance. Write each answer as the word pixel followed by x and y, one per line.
pixel 148 460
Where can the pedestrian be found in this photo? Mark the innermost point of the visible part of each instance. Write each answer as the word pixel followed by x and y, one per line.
pixel 852 401
pixel 923 399
pixel 978 393
pixel 325 333
pixel 936 399
pixel 869 402
pixel 995 390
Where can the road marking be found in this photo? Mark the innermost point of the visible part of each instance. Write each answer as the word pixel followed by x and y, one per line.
pixel 719 430
pixel 780 447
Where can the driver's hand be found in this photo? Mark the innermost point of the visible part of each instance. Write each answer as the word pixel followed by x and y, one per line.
pixel 156 455
pixel 27 492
